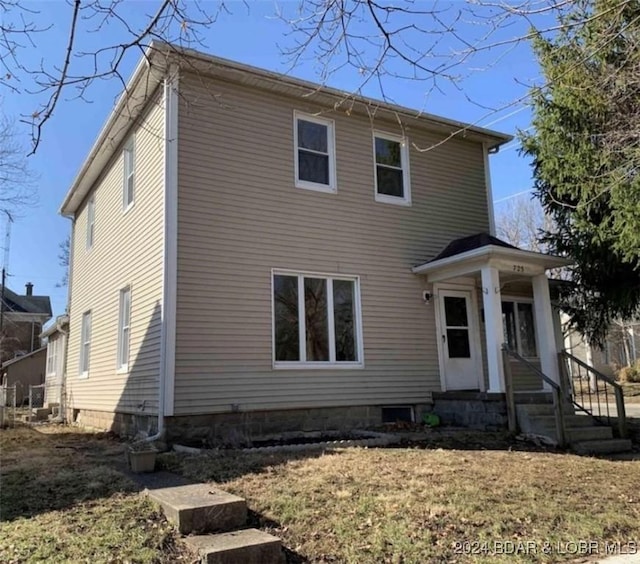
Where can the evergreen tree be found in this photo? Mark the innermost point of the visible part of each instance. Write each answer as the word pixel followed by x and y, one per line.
pixel 585 147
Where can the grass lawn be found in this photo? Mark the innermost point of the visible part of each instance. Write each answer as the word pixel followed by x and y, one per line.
pixel 62 501
pixel 414 504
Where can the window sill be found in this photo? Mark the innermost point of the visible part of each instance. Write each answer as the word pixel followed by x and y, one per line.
pixel 83 375
pixel 328 189
pixel 318 365
pixel 127 208
pixel 124 369
pixel 382 199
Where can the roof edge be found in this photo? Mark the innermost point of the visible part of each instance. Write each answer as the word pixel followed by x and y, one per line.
pixel 491 250
pixel 152 59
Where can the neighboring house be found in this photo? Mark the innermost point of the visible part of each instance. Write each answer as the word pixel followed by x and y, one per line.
pixel 253 253
pixel 22 321
pixel 621 347
pixel 24 371
pixel 56 336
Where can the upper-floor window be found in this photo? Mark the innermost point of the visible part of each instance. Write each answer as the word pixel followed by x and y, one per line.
pixel 391 169
pixel 315 159
pixel 129 158
pixel 124 326
pixel 519 328
pixel 85 343
pixel 91 220
pixel 316 321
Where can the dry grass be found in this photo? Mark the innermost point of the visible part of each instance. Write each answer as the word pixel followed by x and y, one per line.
pixel 61 500
pixel 413 504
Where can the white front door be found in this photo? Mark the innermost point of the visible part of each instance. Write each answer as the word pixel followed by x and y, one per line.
pixel 461 362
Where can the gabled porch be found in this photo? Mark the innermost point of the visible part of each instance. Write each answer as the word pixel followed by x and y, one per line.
pixel 486 293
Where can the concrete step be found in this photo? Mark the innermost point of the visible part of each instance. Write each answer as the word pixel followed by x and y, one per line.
pixel 541 408
pixel 200 508
pixel 607 446
pixel 248 546
pixel 549 421
pixel 533 397
pixel 574 434
pixel 40 413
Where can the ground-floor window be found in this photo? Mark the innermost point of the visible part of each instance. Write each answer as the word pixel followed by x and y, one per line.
pixel 316 320
pixel 519 327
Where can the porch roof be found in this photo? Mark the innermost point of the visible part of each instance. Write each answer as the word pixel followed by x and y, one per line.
pixel 469 254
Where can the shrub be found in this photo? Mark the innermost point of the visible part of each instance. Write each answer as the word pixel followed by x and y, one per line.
pixel 630 373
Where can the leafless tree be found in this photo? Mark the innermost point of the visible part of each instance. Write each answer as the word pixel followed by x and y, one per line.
pixel 441 45
pixel 520 221
pixel 17 188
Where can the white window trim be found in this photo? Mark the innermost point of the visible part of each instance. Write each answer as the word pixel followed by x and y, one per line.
pixel 123 366
pixel 91 221
pixel 404 161
pixel 129 145
pixel 522 300
pixel 85 373
pixel 322 365
pixel 332 188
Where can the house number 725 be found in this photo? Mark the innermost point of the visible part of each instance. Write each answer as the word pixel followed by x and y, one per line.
pixel 518 268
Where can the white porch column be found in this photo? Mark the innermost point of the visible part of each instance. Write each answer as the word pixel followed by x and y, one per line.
pixel 493 327
pixel 544 327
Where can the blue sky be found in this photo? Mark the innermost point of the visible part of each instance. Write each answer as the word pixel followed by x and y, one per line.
pixel 253 36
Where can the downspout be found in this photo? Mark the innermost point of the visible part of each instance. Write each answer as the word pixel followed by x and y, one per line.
pixel 169 270
pixel 488 189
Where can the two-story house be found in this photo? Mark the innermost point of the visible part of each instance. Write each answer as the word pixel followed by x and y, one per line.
pixel 252 252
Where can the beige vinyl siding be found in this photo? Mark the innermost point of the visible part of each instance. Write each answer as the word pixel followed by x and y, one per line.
pixel 240 216
pixel 127 251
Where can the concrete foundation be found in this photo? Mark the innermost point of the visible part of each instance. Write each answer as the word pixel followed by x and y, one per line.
pixel 476 410
pixel 123 424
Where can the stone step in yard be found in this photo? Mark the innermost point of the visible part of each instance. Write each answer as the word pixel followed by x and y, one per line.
pixel 248 546
pixel 196 509
pixel 200 508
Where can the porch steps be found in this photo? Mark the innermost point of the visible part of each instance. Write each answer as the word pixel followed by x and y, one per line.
pixel 198 510
pixel 583 434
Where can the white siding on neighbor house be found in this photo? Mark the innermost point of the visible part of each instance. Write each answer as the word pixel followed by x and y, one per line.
pixel 240 216
pixel 127 251
pixel 56 349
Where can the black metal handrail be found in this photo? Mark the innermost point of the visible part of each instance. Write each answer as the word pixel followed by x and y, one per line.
pixel 589 400
pixel 557 392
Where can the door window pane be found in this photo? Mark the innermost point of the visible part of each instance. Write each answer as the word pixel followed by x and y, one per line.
pixel 455 310
pixel 344 320
pixel 526 330
pixel 458 343
pixel 317 330
pixel 287 341
pixel 509 325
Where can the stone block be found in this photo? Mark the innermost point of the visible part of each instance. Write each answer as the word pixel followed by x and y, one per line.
pixel 248 546
pixel 201 508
